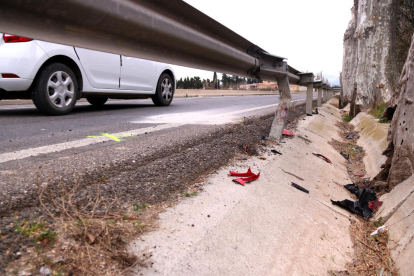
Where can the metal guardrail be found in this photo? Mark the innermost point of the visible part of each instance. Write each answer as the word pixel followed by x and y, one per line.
pixel 169 31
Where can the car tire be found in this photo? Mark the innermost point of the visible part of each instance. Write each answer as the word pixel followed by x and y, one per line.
pixel 55 90
pixel 165 91
pixel 97 101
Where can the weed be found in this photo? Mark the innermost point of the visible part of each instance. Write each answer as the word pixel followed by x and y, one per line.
pixel 377 112
pixel 346 118
pixel 185 194
pixel 138 224
pixel 378 222
pixel 140 207
pixel 35 231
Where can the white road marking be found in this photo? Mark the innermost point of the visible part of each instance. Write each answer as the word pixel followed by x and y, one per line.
pixel 11 156
pixel 202 117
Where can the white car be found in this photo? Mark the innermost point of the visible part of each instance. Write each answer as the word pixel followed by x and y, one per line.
pixel 55 76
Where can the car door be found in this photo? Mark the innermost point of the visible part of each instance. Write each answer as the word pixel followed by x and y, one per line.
pixel 137 74
pixel 102 69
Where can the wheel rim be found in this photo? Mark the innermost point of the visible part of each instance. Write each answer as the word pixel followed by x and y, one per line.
pixel 60 89
pixel 166 89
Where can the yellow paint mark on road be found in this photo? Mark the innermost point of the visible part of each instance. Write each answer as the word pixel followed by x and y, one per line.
pixel 113 137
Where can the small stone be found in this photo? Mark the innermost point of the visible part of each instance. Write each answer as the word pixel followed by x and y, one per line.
pixel 45 270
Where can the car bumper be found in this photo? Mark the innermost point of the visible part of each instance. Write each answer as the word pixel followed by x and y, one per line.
pixel 15 84
pixel 22 59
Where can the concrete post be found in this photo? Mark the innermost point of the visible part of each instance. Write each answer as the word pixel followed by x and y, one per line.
pixel 282 110
pixel 309 98
pixel 319 96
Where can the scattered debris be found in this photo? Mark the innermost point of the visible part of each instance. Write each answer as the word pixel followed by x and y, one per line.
pixel 360 207
pixel 261 157
pixel 358 150
pixel 276 152
pixel 380 230
pixel 351 136
pixel 243 158
pixel 246 174
pixel 288 133
pixel 249 174
pixel 299 187
pixel 346 156
pixel 249 179
pixel 352 188
pixel 265 138
pixel 360 175
pixel 300 178
pixel 316 111
pixel 305 139
pixel 323 157
pixel 375 205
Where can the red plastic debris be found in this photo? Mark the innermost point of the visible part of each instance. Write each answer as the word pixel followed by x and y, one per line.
pixel 287 132
pixel 246 174
pixel 323 157
pixel 249 179
pixel 375 205
pixel 360 175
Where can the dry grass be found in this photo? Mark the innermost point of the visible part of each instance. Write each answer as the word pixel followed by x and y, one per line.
pixel 87 243
pixel 371 252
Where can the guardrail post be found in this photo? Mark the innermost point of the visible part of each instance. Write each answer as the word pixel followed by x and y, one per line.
pixel 323 92
pixel 319 96
pixel 282 110
pixel 306 79
pixel 309 98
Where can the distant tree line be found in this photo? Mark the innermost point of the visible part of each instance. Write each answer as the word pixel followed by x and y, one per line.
pixel 226 82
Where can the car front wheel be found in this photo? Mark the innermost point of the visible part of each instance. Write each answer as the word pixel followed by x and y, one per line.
pixel 55 90
pixel 165 91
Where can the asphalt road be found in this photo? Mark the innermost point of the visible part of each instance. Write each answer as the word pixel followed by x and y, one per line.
pixel 25 132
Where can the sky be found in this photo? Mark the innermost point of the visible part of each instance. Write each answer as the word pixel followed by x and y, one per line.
pixel 309 33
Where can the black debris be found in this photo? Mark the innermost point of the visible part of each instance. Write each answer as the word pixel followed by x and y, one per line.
pixel 265 138
pixel 300 187
pixel 350 136
pixel 360 207
pixel 346 156
pixel 276 152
